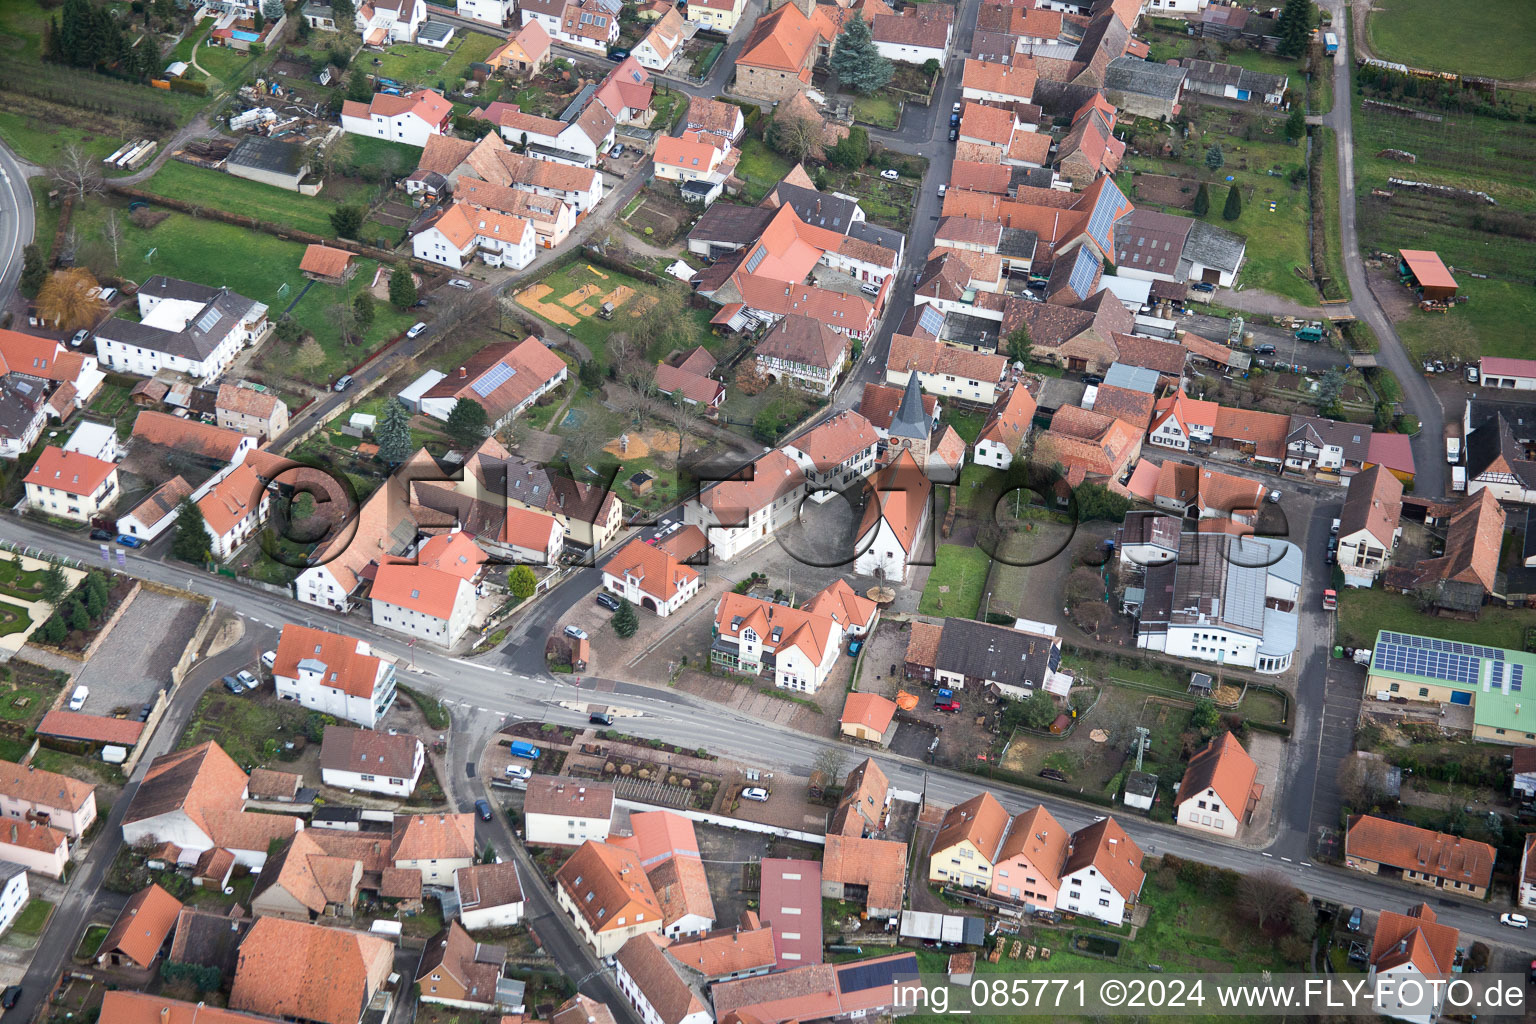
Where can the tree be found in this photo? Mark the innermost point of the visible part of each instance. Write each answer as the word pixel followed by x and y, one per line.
pixel 258 19
pixel 832 761
pixel 1206 714
pixel 795 137
pixel 1214 158
pixel 1330 393
pixel 76 615
pixel 1296 125
pixel 582 444
pixel 95 603
pixel 931 66
pixel 67 299
pixel 190 541
pixel 1097 502
pixel 393 435
pixel 467 422
pixel 1037 711
pixel 112 231
pixel 34 271
pixel 522 582
pixel 55 584
pixel 856 60
pixel 288 329
pixel 362 311
pixel 1264 895
pixel 1084 586
pixel 273 9
pixel 345 15
pixel 402 287
pixel 852 150
pixel 77 174
pixel 308 356
pixel 625 622
pixel 359 89
pixel 1364 782
pixel 590 375
pixel 95 583
pixel 347 221
pixel 52 631
pixel 1294 27
pixel 1234 207
pixel 1202 201
pixel 1020 345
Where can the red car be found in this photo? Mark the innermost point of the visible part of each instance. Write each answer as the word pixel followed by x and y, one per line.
pixel 946 705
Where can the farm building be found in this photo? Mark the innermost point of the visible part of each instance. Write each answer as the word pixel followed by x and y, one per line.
pixel 271 162
pixel 1422 270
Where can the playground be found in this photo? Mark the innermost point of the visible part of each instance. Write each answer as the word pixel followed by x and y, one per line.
pixel 579 293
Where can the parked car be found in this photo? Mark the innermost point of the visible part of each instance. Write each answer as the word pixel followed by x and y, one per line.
pixel 1092 380
pixel 756 793
pixel 1274 497
pixel 233 685
pixel 247 680
pixel 269 659
pixel 854 647
pixel 107 294
pixel 416 329
pixel 1515 920
pixel 954 135
pixel 617 150
pixel 1203 286
pixel 946 705
pixel 942 189
pixel 1265 349
pixel 1054 774
pixel 78 698
pixel 1353 924
pixel 461 284
pixel 956 107
pixel 9 997
pixel 1334 529
pixel 600 718
pixel 343 382
pixel 483 808
pixel 519 771
pixel 575 632
pixel 1472 374
pixel 129 542
pixel 889 174
pixel 608 601
pixel 101 535
pixel 618 55
pixel 79 339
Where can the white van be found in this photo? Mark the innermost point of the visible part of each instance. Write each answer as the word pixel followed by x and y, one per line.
pixel 77 699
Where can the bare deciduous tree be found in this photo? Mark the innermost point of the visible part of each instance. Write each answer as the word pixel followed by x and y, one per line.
pixel 582 444
pixel 76 174
pixel 112 231
pixel 1363 782
pixel 1263 895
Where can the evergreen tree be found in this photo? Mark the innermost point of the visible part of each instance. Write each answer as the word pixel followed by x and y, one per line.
pixel 190 542
pixel 52 631
pixel 34 271
pixel 1294 27
pixel 590 374
pixel 467 422
pixel 1202 201
pixel 345 15
pixel 95 603
pixel 55 584
pixel 856 60
pixel 359 89
pixel 852 150
pixel 625 623
pixel 1215 159
pixel 96 584
pixel 522 582
pixel 273 9
pixel 1020 345
pixel 402 287
pixel 393 434
pixel 1296 124
pixel 1234 207
pixel 362 309
pixel 76 615
pixel 347 221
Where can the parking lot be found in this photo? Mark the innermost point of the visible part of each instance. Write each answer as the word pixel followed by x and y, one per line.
pixel 1288 351
pixel 136 660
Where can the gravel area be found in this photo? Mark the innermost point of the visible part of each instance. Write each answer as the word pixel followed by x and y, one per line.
pixel 137 657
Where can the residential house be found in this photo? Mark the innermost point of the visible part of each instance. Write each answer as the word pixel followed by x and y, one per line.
pixel 262 416
pixel 868 717
pixel 803 351
pixel 892 528
pixel 715 117
pixel 35 846
pixel 576 142
pixel 1467 572
pixel 1145 88
pixel 425 603
pixel 661 44
pixel 1488 680
pixel 1079 337
pixel 749 299
pixel 183 326
pixel 489 896
pixel 1418 856
pixel 457 971
pixel 700 162
pixel 591 25
pixel 789 903
pixel 945 370
pixel 70 485
pixel 838 601
pixel 967 843
pixel 1527 892
pixel 407 118
pixel 991 82
pixel 1005 429
pixel 648 577
pixel 23 412
pixel 436 845
pixel 1102 874
pixel 334 674
pixel 978 655
pixel 210 446
pixel 1027 866
pixel 1368 525
pixel 865 801
pixel 605 890
pixel 124 1007
pixel 1088 445
pixel 798 646
pixel 298 971
pixel 1497 444
pixel 868 871
pixel 1090 149
pixel 1413 957
pixel 1260 435
pixel 1194 492
pixel 381 22
pixel 1180 422
pixel 1148 245
pixel 655 984
pixel 835 454
pixel 233 509
pixel 524 53
pixel 1230 82
pixel 303 881
pixel 777 56
pixel 66 380
pixel 326 264
pixel 1322 445
pixel 566 812
pixel 738 513
pixel 482 170
pixel 1395 452
pixel 626 94
pixel 374 762
pixel 730 953
pixel 918 34
pixel 716 15
pixel 669 852
pixel 492 12
pixel 14 893
pixel 853 990
pixel 1211 255
pixel 141 930
pixel 504 378
pixel 1219 792
pixel 691 381
pixel 1522 766
pixel 65 803
pixel 460 232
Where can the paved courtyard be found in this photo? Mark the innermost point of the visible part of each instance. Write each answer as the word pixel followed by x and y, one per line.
pixel 135 661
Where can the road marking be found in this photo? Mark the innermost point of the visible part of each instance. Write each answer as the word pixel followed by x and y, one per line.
pixel 1287 860
pixel 1305 864
pixel 1269 855
pixel 481 710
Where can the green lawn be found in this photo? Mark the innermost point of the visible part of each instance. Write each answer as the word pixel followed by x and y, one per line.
pixel 760 169
pixel 13 619
pixel 242 724
pixel 256 265
pixel 978 489
pixel 371 158
pixel 1338 286
pixel 1457 35
pixel 955 583
pixel 33 916
pixel 966 424
pixel 40 142
pixel 16 582
pixel 880 111
pixel 225 63
pixel 410 64
pixel 207 187
pixel 1498 314
pixel 1362 613
pixel 91 942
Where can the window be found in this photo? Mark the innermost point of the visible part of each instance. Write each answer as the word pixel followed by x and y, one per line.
pixel 1423 691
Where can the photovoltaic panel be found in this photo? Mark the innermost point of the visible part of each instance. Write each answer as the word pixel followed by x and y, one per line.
pixel 1436 644
pixel 1102 220
pixel 492 379
pixel 931 320
pixel 757 258
pixel 1082 272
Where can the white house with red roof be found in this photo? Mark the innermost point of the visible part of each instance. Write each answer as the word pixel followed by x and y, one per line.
pixel 699 160
pixel 334 674
pixel 458 234
pixel 648 577
pixel 891 531
pixel 71 485
pixel 433 597
pixel 626 93
pixel 381 22
pixel 411 118
pixel 798 646
pixel 1179 421
pixel 739 513
pixel 1413 956
pixel 233 509
pixel 492 12
pixel 836 454
pixel 504 378
pixel 664 41
pixel 529 536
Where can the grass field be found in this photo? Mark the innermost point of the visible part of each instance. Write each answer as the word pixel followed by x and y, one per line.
pixel 207 187
pixel 371 158
pixel 224 63
pixel 1457 35
pixel 1333 264
pixel 956 581
pixel 760 169
pixel 33 916
pixel 16 582
pixel 256 265
pixel 1362 613
pixel 410 64
pixel 40 142
pixel 880 111
pixel 241 724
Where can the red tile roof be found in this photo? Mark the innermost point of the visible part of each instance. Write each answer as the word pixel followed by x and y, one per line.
pixel 70 472
pixel 417 588
pixel 188 436
pixel 869 710
pixel 1106 848
pixel 76 725
pixel 325 261
pixel 1222 765
pixel 350 665
pixel 1436 854
pixel 1414 938
pixel 326 975
pixel 658 573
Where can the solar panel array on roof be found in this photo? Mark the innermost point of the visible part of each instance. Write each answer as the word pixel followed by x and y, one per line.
pixel 862 977
pixel 1083 269
pixel 931 319
pixel 210 316
pixel 1102 220
pixel 757 259
pixel 492 379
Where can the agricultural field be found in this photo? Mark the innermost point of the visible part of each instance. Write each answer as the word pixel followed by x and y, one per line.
pixel 1455 36
pixel 1463 151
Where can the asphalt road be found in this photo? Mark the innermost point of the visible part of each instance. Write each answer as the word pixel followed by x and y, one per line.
pixel 17 222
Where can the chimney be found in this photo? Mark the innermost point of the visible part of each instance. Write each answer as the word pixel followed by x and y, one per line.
pixel 165 1013
pixel 463 373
